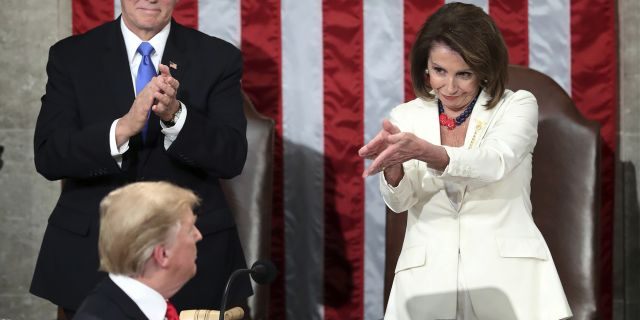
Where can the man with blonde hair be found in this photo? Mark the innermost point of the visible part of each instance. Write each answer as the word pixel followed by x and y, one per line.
pixel 147 244
pixel 140 98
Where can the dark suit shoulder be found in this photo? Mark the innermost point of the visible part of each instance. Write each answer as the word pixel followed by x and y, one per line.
pixel 96 37
pixel 206 41
pixel 107 301
pixel 79 52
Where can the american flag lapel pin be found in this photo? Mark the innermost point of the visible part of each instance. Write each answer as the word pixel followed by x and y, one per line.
pixel 173 65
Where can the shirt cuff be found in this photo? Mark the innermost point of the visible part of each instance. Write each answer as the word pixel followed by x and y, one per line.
pixel 116 152
pixel 171 133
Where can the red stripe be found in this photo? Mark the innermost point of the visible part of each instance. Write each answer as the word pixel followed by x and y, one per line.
pixel 262 77
pixel 512 17
pixel 416 13
pixel 88 14
pixel 594 89
pixel 343 51
pixel 186 13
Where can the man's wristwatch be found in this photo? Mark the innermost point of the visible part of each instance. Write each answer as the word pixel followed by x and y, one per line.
pixel 176 115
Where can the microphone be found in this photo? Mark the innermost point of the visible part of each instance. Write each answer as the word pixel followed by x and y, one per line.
pixel 262 272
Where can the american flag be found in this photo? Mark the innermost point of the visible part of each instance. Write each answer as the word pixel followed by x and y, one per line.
pixel 328 72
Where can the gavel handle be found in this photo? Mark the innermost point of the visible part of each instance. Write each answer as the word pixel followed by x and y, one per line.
pixel 235 313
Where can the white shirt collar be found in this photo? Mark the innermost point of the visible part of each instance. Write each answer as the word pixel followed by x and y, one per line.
pixel 152 304
pixel 132 42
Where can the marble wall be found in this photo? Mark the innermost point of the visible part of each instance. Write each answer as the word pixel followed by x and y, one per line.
pixel 29 27
pixel 626 304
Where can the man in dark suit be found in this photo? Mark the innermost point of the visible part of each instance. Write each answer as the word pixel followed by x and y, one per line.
pixel 101 126
pixel 147 244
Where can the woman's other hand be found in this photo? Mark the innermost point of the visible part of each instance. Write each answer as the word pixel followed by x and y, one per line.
pixel 389 149
pixel 379 143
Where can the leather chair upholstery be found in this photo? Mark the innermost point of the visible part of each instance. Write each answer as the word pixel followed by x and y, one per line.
pixel 249 196
pixel 565 192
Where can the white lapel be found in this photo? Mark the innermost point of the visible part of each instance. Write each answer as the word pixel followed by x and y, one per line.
pixel 478 124
pixel 479 121
pixel 427 125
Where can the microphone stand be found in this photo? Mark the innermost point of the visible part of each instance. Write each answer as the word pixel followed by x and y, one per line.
pixel 262 272
pixel 223 305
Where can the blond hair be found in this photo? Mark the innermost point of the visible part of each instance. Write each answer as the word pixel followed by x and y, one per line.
pixel 134 219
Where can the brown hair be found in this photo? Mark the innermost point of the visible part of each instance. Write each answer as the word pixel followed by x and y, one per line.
pixel 470 32
pixel 134 219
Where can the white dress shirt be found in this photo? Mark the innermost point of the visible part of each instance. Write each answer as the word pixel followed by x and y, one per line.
pixel 132 42
pixel 152 304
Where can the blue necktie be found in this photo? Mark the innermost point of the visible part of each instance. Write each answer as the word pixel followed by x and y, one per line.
pixel 146 72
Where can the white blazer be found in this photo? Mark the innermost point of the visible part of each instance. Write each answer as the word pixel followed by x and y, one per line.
pixel 484 214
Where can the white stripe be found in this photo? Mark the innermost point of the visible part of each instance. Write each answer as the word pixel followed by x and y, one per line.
pixel 550 39
pixel 303 130
pixel 220 18
pixel 484 4
pixel 383 89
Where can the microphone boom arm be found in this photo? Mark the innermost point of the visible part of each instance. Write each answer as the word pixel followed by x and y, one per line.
pixel 223 305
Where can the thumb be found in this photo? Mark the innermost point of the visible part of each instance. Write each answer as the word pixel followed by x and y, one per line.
pixel 398 137
pixel 389 127
pixel 164 70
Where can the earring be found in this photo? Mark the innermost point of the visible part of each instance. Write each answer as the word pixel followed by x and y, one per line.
pixel 426 71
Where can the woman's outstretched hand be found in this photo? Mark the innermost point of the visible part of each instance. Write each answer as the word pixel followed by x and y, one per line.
pixel 390 148
pixel 379 143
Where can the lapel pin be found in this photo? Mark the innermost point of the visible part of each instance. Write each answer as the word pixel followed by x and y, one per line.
pixel 479 126
pixel 173 65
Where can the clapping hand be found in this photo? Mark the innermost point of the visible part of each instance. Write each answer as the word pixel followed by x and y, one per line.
pixel 165 91
pixel 390 148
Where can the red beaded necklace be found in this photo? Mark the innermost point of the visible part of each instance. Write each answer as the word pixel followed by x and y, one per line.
pixel 451 123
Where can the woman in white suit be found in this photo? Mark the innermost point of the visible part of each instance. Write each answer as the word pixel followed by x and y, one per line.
pixel 458 158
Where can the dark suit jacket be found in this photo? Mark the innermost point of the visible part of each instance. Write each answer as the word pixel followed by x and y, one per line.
pixel 108 302
pixel 89 86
